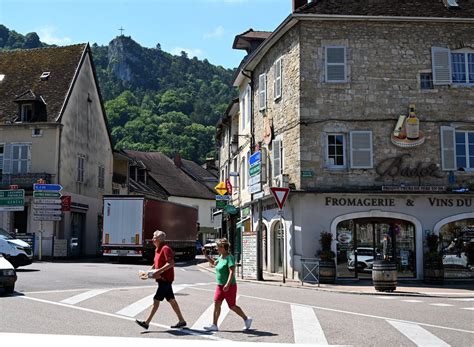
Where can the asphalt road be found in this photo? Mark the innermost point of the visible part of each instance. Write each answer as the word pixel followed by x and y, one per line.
pixel 104 299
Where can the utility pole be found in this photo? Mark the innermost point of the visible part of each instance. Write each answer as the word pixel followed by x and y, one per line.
pixel 259 242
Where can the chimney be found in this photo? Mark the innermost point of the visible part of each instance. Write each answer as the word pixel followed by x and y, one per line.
pixel 298 3
pixel 210 164
pixel 177 160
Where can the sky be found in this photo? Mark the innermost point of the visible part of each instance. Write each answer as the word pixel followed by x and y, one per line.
pixel 202 28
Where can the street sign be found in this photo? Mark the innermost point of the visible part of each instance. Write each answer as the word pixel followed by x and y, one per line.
pixel 47 187
pixel 220 204
pixel 228 186
pixel 12 200
pixel 255 169
pixel 255 188
pixel 47 212
pixel 47 206
pixel 46 218
pixel 280 195
pixel 230 209
pixel 222 197
pixel 221 188
pixel 38 194
pixel 255 158
pixel 258 196
pixel 47 201
pixel 66 203
pixel 255 179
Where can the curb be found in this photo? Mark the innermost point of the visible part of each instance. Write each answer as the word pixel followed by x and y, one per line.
pixel 293 284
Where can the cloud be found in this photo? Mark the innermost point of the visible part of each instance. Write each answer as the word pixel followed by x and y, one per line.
pixel 48 35
pixel 192 52
pixel 217 32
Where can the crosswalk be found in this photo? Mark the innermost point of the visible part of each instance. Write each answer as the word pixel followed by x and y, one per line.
pixel 274 320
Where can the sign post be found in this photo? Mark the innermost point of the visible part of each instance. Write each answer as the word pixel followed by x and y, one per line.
pixel 280 195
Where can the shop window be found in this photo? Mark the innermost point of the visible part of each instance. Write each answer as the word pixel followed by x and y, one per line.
pixel 335 151
pixel 457 248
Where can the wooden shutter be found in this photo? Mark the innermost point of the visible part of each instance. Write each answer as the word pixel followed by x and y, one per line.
pixel 277 81
pixel 448 148
pixel 361 149
pixel 441 65
pixel 7 158
pixel 276 157
pixel 262 91
pixel 335 64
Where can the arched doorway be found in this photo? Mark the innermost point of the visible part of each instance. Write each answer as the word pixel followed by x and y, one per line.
pixel 278 247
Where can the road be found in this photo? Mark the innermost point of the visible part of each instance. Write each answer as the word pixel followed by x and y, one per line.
pixel 104 299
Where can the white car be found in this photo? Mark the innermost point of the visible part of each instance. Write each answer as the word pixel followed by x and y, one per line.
pixel 365 259
pixel 7 275
pixel 17 252
pixel 454 260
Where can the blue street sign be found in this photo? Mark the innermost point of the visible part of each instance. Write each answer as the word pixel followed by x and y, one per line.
pixel 255 158
pixel 50 187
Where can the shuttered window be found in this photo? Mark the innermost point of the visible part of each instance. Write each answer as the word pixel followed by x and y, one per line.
pixel 336 69
pixel 441 65
pixel 361 149
pixel 276 158
pixel 277 81
pixel 20 158
pixel 81 167
pixel 262 92
pixel 448 148
pixel 336 151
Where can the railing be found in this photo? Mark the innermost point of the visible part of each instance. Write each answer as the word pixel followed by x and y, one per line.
pixel 309 270
pixel 23 181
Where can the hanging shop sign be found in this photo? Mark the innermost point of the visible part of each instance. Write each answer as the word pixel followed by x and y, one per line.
pixel 407 133
pixel 396 167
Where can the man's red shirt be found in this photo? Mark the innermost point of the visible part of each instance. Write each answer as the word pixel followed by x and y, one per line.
pixel 162 256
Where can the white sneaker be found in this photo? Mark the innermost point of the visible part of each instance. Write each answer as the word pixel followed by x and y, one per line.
pixel 211 327
pixel 248 323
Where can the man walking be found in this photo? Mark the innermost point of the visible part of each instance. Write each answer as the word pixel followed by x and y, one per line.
pixel 163 273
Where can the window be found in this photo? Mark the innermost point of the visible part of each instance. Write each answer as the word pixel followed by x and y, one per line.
pixel 101 177
pixel 277 81
pixel 361 149
pixel 452 67
pixel 462 68
pixel 213 210
pixel 465 150
pixel 21 158
pixel 81 160
pixel 262 92
pixel 141 175
pixel 426 81
pixel 1 158
pixel 336 148
pixel 245 107
pixel 26 112
pixel 235 170
pixel 276 158
pixel 336 64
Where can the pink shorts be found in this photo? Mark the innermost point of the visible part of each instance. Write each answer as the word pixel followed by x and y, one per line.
pixel 230 296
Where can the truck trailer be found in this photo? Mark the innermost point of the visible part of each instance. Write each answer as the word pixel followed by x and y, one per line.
pixel 130 220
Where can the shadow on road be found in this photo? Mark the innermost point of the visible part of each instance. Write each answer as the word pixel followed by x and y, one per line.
pixel 27 270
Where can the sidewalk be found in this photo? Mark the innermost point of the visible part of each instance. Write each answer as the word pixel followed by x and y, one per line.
pixel 409 288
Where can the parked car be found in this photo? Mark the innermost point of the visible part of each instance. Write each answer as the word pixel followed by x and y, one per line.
pixel 18 252
pixel 454 260
pixel 365 259
pixel 7 275
pixel 199 247
pixel 211 247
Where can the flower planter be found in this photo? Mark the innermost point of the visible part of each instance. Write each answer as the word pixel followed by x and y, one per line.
pixel 327 271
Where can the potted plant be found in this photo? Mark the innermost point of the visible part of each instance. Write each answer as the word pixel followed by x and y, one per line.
pixel 433 264
pixel 327 265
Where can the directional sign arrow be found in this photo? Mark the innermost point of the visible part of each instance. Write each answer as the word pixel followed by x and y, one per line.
pixel 47 212
pixel 47 206
pixel 38 194
pixel 47 218
pixel 47 187
pixel 47 201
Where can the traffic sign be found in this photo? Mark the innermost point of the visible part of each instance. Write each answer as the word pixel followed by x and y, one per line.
pixel 228 186
pixel 220 204
pixel 38 194
pixel 222 197
pixel 47 201
pixel 47 187
pixel 12 200
pixel 47 218
pixel 255 169
pixel 255 158
pixel 47 206
pixel 258 195
pixel 280 195
pixel 255 188
pixel 221 188
pixel 47 212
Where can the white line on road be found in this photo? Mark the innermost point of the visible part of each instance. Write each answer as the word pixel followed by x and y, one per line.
pixel 141 305
pixel 166 327
pixel 207 317
pixel 306 327
pixel 84 296
pixel 468 308
pixel 386 297
pixel 417 334
pixel 349 312
pixel 411 300
pixel 441 305
pixel 465 299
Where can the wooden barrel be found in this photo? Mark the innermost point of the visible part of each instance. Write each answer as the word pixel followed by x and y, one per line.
pixel 433 276
pixel 384 276
pixel 327 272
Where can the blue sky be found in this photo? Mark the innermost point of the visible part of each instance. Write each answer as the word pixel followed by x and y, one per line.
pixel 203 28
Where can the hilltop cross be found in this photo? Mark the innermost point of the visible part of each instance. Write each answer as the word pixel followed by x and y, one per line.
pixel 121 30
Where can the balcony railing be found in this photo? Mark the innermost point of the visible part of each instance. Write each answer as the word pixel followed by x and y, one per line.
pixel 23 181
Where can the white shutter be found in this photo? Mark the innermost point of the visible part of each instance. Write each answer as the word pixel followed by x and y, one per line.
pixel 335 64
pixel 7 159
pixel 262 91
pixel 28 165
pixel 277 81
pixel 361 149
pixel 441 65
pixel 276 157
pixel 448 148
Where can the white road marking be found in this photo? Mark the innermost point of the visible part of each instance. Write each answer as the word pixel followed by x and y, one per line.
pixel 412 301
pixel 441 305
pixel 84 296
pixel 386 297
pixel 417 334
pixel 468 308
pixel 207 316
pixel 141 305
pixel 349 312
pixel 166 327
pixel 465 299
pixel 306 327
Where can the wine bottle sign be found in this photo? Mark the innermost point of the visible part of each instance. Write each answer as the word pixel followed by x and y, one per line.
pixel 413 128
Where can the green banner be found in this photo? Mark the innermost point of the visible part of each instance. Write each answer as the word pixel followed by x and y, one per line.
pixel 17 193
pixel 12 202
pixel 255 169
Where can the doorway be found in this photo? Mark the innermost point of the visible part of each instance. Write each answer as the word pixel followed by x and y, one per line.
pixel 78 240
pixel 362 241
pixel 20 221
pixel 278 249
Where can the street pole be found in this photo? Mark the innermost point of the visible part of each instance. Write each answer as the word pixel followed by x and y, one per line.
pixel 284 245
pixel 40 241
pixel 259 242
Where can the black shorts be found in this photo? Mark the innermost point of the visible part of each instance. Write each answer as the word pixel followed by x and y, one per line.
pixel 164 291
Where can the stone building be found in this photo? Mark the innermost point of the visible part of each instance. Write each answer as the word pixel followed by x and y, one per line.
pixel 331 88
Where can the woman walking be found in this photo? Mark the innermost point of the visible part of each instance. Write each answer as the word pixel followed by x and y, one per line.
pixel 226 285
